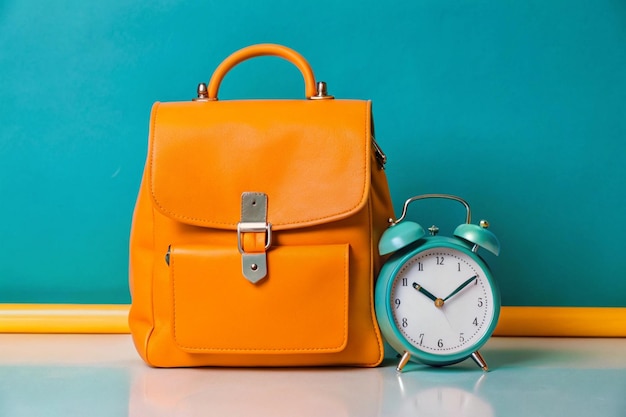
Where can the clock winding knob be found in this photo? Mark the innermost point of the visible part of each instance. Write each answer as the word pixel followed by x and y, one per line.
pixel 433 230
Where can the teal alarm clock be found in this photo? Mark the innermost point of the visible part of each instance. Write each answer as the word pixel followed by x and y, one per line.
pixel 436 299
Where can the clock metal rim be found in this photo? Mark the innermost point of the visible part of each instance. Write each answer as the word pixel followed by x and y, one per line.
pixel 384 309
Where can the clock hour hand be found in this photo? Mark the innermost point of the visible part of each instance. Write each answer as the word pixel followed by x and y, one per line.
pixel 460 287
pixel 424 291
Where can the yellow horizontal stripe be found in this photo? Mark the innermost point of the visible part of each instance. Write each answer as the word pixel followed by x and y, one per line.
pixel 514 321
pixel 63 318
pixel 562 321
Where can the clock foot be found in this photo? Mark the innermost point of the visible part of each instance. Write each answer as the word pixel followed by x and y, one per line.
pixel 403 361
pixel 480 361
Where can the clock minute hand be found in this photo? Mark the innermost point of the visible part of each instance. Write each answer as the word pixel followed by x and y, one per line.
pixel 460 287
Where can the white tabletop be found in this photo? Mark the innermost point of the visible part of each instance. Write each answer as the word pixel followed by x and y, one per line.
pixel 101 375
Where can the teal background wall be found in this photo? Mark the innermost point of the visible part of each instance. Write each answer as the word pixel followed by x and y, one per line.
pixel 517 106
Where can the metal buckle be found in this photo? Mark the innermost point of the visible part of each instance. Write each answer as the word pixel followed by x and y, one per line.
pixel 254 227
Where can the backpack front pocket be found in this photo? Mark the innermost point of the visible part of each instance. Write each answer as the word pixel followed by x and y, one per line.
pixel 301 306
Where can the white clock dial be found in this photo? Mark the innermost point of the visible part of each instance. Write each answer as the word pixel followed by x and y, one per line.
pixel 442 302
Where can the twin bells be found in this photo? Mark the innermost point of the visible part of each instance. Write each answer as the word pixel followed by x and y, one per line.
pixel 401 234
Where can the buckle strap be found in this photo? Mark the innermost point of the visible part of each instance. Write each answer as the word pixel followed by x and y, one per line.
pixel 254 220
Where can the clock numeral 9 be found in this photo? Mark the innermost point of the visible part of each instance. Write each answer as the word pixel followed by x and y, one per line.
pixel 397 302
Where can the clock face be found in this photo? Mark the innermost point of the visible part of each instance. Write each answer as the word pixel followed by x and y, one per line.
pixel 442 302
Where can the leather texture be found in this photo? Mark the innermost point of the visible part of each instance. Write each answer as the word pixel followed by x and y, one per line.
pixel 327 202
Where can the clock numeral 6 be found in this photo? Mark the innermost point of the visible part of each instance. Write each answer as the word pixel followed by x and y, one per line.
pixel 440 342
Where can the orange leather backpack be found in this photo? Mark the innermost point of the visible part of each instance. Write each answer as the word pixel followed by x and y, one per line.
pixel 254 236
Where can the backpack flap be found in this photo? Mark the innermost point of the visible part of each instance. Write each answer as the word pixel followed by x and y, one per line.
pixel 311 158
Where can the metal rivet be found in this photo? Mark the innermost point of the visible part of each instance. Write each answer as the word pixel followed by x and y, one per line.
pixel 254 267
pixel 321 92
pixel 203 93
